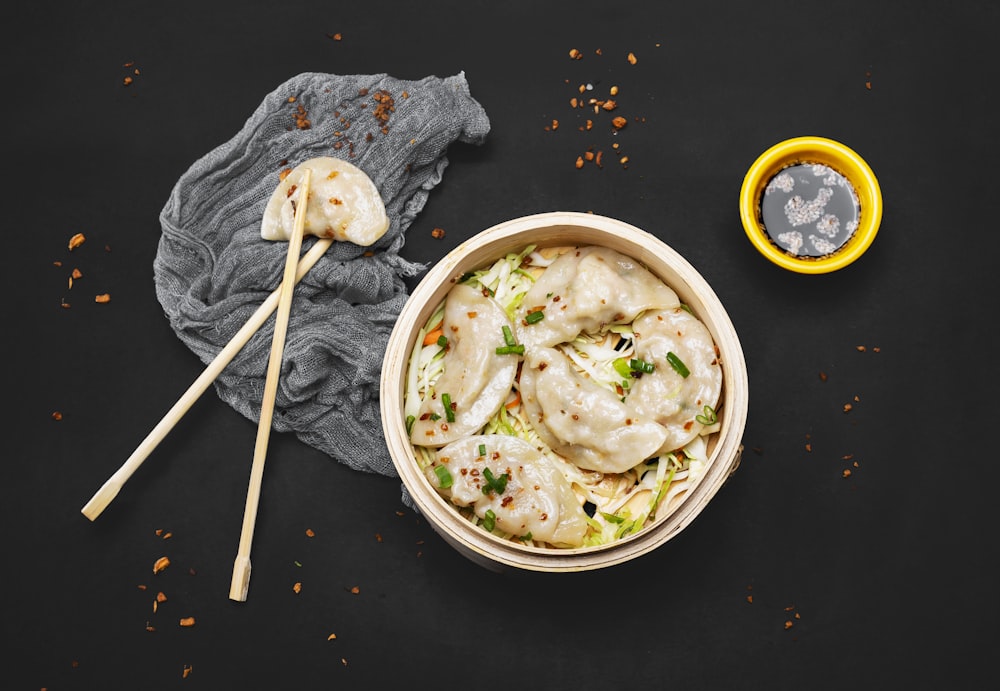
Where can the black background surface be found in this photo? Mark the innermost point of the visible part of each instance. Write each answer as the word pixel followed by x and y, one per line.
pixel 887 575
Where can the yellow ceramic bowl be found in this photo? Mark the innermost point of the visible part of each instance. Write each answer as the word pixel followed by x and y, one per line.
pixel 841 159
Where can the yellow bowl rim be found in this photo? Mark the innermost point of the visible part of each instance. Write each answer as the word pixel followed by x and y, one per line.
pixel 821 150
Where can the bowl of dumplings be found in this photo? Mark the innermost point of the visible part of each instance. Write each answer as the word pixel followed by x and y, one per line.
pixel 562 392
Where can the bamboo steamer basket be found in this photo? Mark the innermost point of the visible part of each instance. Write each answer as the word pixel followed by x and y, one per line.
pixel 556 229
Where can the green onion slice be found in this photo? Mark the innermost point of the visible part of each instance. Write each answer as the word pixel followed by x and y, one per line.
pixel 510 350
pixel 641 366
pixel 444 477
pixel 534 317
pixel 708 417
pixel 449 411
pixel 496 484
pixel 410 419
pixel 489 520
pixel 482 449
pixel 678 365
pixel 508 337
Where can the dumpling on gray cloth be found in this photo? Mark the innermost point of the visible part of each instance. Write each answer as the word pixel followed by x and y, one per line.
pixel 213 270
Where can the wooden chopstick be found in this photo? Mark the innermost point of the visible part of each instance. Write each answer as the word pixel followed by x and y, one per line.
pixel 241 568
pixel 110 489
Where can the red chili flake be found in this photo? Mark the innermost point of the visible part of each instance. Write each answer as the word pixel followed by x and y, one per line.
pixel 56 415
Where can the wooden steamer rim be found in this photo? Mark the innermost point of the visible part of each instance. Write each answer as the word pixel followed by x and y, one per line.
pixel 561 229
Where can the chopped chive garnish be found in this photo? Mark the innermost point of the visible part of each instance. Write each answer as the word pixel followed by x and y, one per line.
pixel 508 337
pixel 526 538
pixel 511 350
pixel 678 365
pixel 435 417
pixel 489 520
pixel 410 419
pixel 534 317
pixel 611 518
pixel 641 365
pixel 449 410
pixel 444 477
pixel 496 484
pixel 482 449
pixel 708 417
pixel 442 341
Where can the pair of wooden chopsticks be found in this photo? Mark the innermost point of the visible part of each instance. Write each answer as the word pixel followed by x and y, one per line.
pixel 280 300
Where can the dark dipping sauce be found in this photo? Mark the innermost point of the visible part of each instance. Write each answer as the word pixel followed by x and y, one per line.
pixel 809 210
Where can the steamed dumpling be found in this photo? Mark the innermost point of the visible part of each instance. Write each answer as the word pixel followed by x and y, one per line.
pixel 344 204
pixel 476 379
pixel 582 421
pixel 537 500
pixel 664 395
pixel 587 288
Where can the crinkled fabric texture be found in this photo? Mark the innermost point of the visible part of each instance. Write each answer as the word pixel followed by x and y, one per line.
pixel 212 269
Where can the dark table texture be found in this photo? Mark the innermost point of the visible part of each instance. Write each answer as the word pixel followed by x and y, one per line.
pixel 887 575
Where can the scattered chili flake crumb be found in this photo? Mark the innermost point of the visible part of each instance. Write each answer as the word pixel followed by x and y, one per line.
pixel 378 537
pixel 860 348
pixel 848 407
pixel 76 273
pixel 574 54
pixel 809 447
pixel 127 81
pixel 355 590
pixel 186 671
pixel 192 572
pixel 160 597
pixel 619 122
pixel 187 621
pixel 331 637
pixel 141 586
pixel 632 59
pixel 160 564
pixel 437 233
pixel 750 599
pixel 297 588
pixel 847 472
pixel 57 263
pixel 76 241
pixel 822 376
pixel 150 627
pixel 336 37
pixel 343 661
pixel 64 304
pixel 579 162
pixel 56 415
pixel 788 624
pixel 102 298
pixel 310 533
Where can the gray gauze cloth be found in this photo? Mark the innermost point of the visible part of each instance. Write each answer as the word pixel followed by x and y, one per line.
pixel 212 269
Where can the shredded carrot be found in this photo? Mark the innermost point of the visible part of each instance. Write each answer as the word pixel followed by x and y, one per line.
pixel 433 336
pixel 515 402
